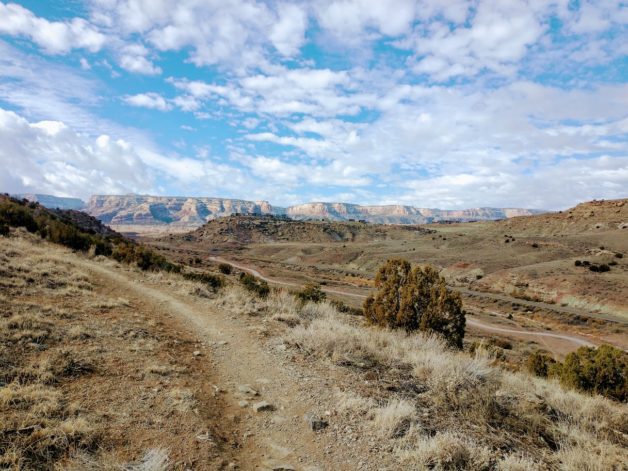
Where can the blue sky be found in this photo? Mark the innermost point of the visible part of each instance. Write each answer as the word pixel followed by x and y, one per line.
pixel 422 102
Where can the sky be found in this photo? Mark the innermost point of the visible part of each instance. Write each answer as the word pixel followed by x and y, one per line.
pixel 445 104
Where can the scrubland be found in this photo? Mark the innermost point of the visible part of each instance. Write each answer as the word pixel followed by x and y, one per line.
pixel 92 378
pixel 437 408
pixel 87 381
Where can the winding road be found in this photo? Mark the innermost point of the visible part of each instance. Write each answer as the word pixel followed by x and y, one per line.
pixel 578 341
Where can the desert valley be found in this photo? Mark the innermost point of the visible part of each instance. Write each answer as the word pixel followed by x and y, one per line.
pixel 243 343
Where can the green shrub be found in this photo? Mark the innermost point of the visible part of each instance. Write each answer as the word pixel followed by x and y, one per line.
pixel 311 292
pixel 540 364
pixel 343 308
pixel 255 285
pixel 15 213
pixel 225 268
pixel 415 299
pixel 214 281
pixel 603 370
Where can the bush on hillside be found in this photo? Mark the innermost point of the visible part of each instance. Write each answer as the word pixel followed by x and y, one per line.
pixel 415 299
pixel 4 229
pixel 540 364
pixel 254 285
pixel 343 308
pixel 311 292
pixel 602 370
pixel 224 268
pixel 15 213
pixel 214 281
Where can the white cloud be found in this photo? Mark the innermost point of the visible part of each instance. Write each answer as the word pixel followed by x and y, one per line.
pixel 49 157
pixel 133 58
pixel 152 101
pixel 350 19
pixel 55 37
pixel 287 34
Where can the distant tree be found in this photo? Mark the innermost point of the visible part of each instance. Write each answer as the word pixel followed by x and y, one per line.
pixel 415 299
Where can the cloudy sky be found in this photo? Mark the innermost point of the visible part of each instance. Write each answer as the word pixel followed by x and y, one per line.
pixel 431 103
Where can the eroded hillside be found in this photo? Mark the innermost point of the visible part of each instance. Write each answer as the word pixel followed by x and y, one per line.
pixel 264 229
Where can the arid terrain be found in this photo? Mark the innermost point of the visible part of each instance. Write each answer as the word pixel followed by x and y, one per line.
pixel 120 366
pixel 108 366
pixel 518 274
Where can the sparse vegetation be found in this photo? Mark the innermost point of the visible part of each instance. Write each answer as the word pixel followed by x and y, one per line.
pixel 602 370
pixel 415 299
pixel 499 414
pixel 213 281
pixel 311 292
pixel 75 387
pixel 225 268
pixel 37 219
pixel 254 285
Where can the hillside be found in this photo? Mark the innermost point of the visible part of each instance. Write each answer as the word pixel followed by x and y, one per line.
pixel 135 212
pixel 84 221
pixel 592 216
pixel 268 229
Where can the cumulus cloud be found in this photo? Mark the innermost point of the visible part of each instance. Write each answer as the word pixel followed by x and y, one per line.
pixel 55 37
pixel 425 102
pixel 152 101
pixel 49 157
pixel 134 58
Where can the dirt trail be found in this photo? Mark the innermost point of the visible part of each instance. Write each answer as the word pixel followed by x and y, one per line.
pixel 578 341
pixel 519 332
pixel 278 439
pixel 275 281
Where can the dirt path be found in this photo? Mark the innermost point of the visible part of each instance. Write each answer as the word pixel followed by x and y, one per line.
pixel 274 439
pixel 275 281
pixel 519 332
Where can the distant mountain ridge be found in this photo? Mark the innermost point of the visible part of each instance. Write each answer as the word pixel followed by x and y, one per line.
pixel 139 210
pixel 53 202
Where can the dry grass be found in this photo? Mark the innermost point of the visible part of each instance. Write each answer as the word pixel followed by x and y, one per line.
pixel 85 382
pixel 473 415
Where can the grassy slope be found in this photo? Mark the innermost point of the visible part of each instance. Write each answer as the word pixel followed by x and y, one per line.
pixel 89 380
pixel 432 407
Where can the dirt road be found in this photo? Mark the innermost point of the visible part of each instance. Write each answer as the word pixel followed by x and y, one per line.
pixel 520 332
pixel 242 359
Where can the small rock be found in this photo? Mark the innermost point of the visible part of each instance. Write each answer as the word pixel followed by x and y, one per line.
pixel 316 423
pixel 263 406
pixel 196 353
pixel 223 342
pixel 248 390
pixel 243 403
pixel 276 465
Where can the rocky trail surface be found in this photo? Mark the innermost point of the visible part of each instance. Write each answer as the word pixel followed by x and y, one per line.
pixel 273 402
